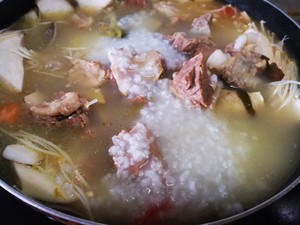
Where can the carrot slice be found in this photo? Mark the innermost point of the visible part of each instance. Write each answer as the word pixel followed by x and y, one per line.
pixel 227 11
pixel 9 113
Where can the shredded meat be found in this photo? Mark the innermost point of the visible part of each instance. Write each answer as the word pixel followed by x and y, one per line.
pixel 87 73
pixel 194 83
pixel 65 108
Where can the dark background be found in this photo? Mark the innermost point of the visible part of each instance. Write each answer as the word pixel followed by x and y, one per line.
pixel 285 211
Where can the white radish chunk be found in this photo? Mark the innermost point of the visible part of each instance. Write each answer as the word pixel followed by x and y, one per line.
pixel 295 106
pixel 217 60
pixel 229 101
pixel 21 154
pixel 257 100
pixel 240 42
pixel 54 10
pixel 35 98
pixel 93 6
pixel 40 186
pixel 11 63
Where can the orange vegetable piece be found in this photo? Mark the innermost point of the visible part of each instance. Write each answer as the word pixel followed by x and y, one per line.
pixel 227 11
pixel 9 113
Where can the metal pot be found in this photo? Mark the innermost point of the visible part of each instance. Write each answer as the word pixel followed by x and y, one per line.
pixel 276 21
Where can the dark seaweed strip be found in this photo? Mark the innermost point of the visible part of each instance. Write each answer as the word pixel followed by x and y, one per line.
pixel 243 95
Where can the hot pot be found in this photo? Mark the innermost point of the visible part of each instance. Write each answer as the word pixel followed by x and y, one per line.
pixel 276 21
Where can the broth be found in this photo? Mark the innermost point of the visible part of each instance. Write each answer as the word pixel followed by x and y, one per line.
pixel 213 161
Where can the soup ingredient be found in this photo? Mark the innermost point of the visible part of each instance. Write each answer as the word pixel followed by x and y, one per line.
pixel 244 64
pixel 35 98
pixel 93 6
pixel 200 25
pixel 229 101
pixel 187 143
pixel 139 20
pixel 62 183
pixel 54 10
pixel 256 41
pixel 11 63
pixel 64 104
pixel 173 138
pixel 134 72
pixel 242 69
pixel 67 108
pixel 87 73
pixel 135 151
pixel 182 43
pixel 21 154
pixel 193 82
pixel 140 172
pixel 81 20
pixel 142 41
pixel 9 113
pixel 40 186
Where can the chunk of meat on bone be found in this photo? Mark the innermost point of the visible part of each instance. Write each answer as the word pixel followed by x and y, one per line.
pixel 134 72
pixel 134 152
pixel 182 43
pixel 240 70
pixel 64 105
pixel 86 73
pixel 201 25
pixel 193 82
pixel 65 109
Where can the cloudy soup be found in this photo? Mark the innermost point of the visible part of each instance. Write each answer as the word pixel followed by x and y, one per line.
pixel 146 112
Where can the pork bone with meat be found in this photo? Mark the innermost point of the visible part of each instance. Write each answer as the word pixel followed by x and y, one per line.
pixel 240 69
pixel 193 82
pixel 63 105
pixel 65 108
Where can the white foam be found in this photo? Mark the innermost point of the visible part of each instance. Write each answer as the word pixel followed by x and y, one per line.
pixel 142 41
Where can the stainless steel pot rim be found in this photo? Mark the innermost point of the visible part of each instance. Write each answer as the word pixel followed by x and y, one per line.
pixel 66 218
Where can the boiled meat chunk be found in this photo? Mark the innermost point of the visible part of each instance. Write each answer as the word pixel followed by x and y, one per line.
pixel 201 25
pixel 86 73
pixel 135 151
pixel 65 108
pixel 193 83
pixel 134 72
